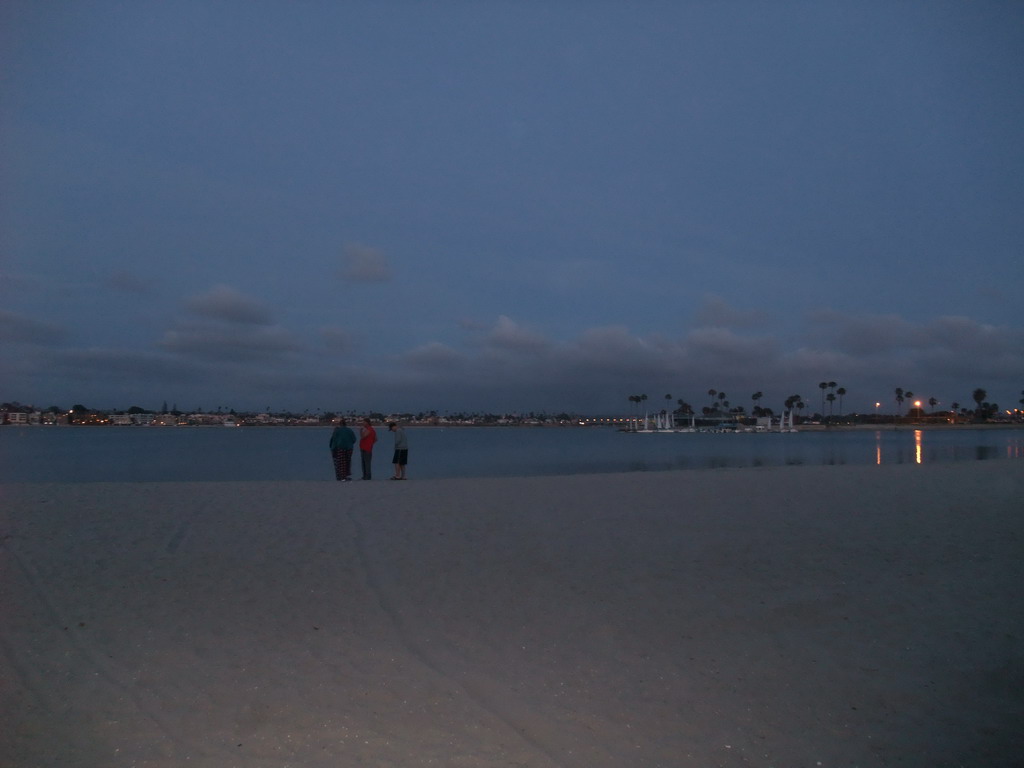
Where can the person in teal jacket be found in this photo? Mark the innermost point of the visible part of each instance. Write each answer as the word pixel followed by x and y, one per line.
pixel 342 441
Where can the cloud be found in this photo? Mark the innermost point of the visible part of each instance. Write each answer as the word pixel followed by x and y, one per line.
pixel 723 349
pixel 946 356
pixel 716 312
pixel 960 334
pixel 471 324
pixel 20 329
pixel 231 306
pixel 362 264
pixel 963 347
pixel 507 335
pixel 510 366
pixel 128 282
pixel 505 365
pixel 229 343
pixel 337 339
pixel 861 335
pixel 118 364
pixel 879 336
pixel 611 349
pixel 434 356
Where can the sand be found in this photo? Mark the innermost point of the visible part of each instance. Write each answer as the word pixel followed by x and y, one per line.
pixel 792 616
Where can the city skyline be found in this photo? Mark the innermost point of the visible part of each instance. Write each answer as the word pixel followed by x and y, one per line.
pixel 506 208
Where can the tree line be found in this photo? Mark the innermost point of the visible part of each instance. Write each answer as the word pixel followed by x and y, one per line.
pixel 831 393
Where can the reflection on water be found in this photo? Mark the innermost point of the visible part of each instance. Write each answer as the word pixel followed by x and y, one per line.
pixel 299 453
pixel 941 446
pixel 983 452
pixel 895 455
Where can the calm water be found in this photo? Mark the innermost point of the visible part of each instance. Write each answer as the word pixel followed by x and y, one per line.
pixel 80 454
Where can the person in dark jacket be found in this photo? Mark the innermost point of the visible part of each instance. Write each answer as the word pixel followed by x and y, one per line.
pixel 342 440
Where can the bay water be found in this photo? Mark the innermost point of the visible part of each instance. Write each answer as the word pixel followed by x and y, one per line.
pixel 157 454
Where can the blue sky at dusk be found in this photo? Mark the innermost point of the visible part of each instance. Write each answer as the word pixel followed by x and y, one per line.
pixel 509 206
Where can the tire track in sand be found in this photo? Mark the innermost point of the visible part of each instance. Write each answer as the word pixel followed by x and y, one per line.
pixel 25 672
pixel 104 671
pixel 418 650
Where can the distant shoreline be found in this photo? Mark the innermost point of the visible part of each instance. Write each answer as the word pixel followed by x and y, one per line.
pixel 902 427
pixel 899 427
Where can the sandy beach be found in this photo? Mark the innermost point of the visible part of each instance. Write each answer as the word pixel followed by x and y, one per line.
pixel 792 616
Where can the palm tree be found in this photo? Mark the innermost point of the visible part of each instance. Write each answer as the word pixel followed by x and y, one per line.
pixel 932 402
pixel 899 401
pixel 831 399
pixel 795 403
pixel 979 396
pixel 841 391
pixel 910 396
pixel 823 386
pixel 755 397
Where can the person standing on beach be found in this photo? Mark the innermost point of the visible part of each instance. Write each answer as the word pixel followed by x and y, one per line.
pixel 401 457
pixel 342 441
pixel 367 437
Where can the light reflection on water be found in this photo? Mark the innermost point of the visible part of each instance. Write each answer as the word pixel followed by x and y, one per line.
pixel 39 454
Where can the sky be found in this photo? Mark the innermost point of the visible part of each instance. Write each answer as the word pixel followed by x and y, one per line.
pixel 509 206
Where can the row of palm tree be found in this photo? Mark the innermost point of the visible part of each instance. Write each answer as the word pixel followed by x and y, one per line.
pixel 833 393
pixel 720 402
pixel 983 409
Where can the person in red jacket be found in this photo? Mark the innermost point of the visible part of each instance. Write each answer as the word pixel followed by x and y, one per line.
pixel 367 437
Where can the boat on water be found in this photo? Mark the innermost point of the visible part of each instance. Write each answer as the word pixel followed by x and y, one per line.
pixel 665 423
